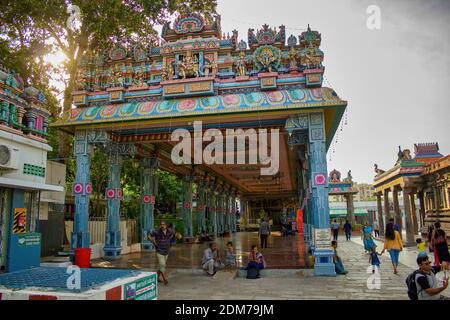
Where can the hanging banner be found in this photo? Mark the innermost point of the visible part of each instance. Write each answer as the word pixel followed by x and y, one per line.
pixel 20 220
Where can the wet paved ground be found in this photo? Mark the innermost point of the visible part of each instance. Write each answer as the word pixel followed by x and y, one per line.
pixel 282 253
pixel 301 284
pixel 286 281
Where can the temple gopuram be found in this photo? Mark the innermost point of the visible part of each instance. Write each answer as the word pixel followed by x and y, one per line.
pixel 130 100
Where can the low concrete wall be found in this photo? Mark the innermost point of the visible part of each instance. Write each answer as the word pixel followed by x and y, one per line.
pixel 111 291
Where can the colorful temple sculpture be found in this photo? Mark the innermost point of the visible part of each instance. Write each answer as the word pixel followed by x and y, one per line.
pixel 23 167
pixel 411 177
pixel 343 188
pixel 131 101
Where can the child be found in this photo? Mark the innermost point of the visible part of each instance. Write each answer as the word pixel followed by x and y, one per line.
pixel 230 257
pixel 421 247
pixel 374 259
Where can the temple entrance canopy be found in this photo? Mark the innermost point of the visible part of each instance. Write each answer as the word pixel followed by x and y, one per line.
pixel 136 100
pixel 343 188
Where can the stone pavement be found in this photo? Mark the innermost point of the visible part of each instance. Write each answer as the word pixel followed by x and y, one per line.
pixel 294 284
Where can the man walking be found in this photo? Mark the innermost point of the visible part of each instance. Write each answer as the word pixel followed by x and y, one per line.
pixel 335 229
pixel 211 261
pixel 376 228
pixel 161 239
pixel 348 230
pixel 264 232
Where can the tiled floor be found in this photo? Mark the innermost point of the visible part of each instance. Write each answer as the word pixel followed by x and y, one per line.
pixel 282 253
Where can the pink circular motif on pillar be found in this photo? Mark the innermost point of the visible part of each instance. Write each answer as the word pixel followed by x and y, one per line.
pixel 119 193
pixel 146 199
pixel 153 199
pixel 319 179
pixel 110 193
pixel 88 188
pixel 77 188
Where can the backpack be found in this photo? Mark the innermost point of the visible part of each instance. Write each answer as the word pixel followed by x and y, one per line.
pixel 412 286
pixel 252 273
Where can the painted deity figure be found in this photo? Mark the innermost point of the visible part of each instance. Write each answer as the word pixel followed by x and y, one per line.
pixel 206 68
pixel 214 67
pixel 139 76
pixel 116 79
pixel 189 65
pixel 97 79
pixel 310 58
pixel 170 72
pixel 240 65
pixel 164 75
pixel 293 54
pixel 266 58
pixel 81 80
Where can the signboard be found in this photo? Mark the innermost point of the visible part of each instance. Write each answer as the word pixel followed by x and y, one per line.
pixel 29 239
pixel 141 289
pixel 20 220
pixel 322 238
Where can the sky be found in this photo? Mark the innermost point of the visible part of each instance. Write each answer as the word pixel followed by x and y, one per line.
pixel 396 79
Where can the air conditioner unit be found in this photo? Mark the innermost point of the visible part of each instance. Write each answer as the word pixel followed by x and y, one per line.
pixel 9 157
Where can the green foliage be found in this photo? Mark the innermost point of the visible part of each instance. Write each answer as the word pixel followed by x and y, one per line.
pixel 31 29
pixel 169 192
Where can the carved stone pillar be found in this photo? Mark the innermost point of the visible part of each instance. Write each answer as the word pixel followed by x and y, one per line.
pixel 350 208
pixel 414 213
pixel 380 214
pixel 398 215
pixel 387 211
pixel 408 219
pixel 422 208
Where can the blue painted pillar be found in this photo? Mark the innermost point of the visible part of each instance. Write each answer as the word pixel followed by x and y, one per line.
pixel 149 191
pixel 212 207
pixel 233 212
pixel 81 191
pixel 220 210
pixel 319 200
pixel 113 243
pixel 227 213
pixel 187 208
pixel 201 204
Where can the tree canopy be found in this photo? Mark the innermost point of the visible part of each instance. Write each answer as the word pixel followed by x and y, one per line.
pixel 30 29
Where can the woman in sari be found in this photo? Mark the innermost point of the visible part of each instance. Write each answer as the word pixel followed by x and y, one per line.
pixel 367 238
pixel 256 259
pixel 440 246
